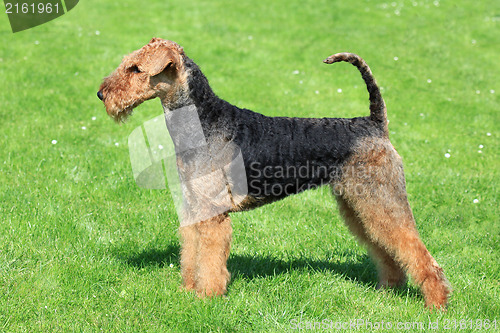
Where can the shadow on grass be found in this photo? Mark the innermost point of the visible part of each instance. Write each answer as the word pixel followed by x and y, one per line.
pixel 152 257
pixel 355 268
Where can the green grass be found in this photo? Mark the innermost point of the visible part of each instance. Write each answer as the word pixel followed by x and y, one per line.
pixel 82 248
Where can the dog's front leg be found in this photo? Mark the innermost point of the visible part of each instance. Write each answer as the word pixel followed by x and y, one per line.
pixel 214 243
pixel 189 240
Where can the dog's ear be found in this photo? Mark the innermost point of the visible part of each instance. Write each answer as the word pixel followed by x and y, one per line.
pixel 155 58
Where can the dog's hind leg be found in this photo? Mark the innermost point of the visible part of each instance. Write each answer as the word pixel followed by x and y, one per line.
pixel 374 192
pixel 390 273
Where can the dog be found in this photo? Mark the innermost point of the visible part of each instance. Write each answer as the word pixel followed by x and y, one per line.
pixel 354 156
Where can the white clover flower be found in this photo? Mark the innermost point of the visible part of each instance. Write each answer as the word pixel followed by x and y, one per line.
pixel 447 155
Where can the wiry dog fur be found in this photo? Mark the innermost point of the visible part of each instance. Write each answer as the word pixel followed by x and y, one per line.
pixel 354 156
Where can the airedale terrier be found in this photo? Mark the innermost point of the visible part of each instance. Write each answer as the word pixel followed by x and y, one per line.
pixel 354 156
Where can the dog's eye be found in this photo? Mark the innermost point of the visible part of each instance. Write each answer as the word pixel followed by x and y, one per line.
pixel 134 69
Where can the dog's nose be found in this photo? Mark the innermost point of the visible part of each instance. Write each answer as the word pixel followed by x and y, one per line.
pixel 99 94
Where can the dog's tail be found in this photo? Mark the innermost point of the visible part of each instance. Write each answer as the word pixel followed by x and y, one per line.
pixel 378 112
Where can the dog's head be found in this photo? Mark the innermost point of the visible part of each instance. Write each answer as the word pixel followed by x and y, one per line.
pixel 155 70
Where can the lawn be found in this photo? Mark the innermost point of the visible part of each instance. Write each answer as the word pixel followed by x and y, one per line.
pixel 83 248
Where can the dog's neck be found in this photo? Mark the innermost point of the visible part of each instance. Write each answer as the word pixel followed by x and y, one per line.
pixel 197 92
pixel 208 105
